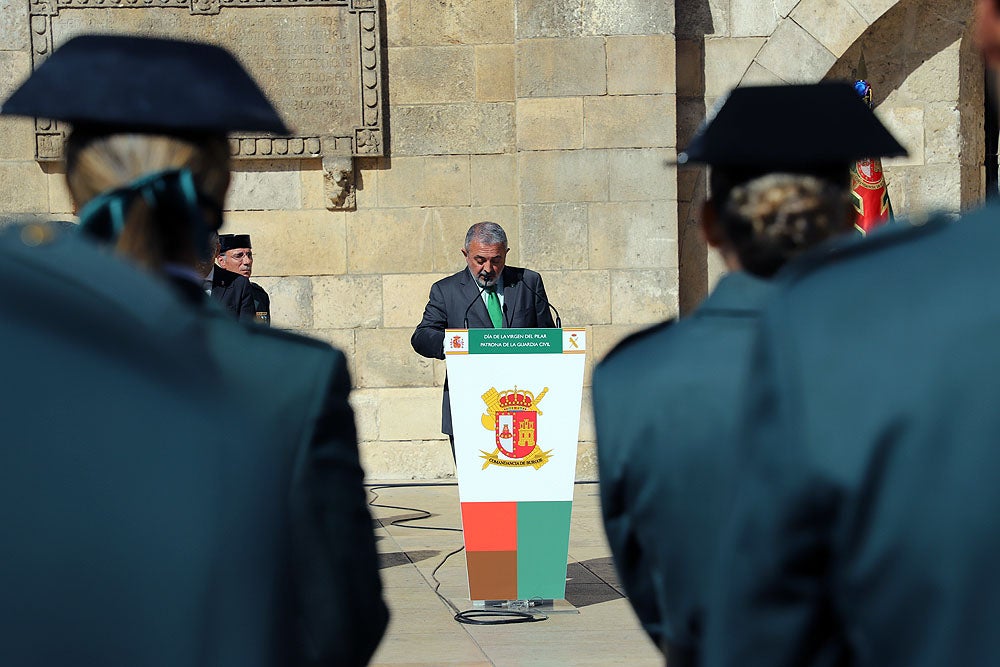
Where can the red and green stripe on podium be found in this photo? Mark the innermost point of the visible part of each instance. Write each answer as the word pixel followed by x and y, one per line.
pixel 516 550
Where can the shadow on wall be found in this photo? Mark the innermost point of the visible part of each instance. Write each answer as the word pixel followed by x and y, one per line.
pixel 905 38
pixel 901 40
pixel 693 20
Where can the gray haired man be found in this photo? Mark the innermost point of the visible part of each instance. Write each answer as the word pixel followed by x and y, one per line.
pixel 485 294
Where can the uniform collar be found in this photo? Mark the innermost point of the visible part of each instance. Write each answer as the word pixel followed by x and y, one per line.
pixel 738 291
pixel 186 273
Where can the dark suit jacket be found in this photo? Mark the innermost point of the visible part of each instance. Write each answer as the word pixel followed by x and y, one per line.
pixel 525 306
pixel 665 408
pixel 234 293
pixel 261 304
pixel 137 531
pixel 865 530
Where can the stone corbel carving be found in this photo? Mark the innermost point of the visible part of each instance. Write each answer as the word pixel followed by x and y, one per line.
pixel 338 183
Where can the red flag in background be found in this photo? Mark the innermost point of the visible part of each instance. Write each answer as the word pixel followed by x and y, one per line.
pixel 868 190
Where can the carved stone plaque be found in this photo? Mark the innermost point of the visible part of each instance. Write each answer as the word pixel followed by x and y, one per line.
pixel 317 60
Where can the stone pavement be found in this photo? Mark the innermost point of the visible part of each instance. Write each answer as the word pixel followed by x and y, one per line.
pixel 423 631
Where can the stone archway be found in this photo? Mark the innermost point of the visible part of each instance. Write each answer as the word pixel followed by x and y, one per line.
pixel 927 81
pixel 813 35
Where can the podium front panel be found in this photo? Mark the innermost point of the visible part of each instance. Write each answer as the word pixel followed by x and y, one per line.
pixel 515 403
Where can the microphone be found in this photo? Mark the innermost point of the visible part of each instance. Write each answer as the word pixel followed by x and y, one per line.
pixel 482 288
pixel 548 304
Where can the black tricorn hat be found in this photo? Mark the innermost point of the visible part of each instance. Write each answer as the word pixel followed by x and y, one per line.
pixel 795 128
pixel 231 241
pixel 116 83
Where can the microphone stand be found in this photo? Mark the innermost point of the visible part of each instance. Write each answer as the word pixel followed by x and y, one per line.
pixel 548 304
pixel 482 288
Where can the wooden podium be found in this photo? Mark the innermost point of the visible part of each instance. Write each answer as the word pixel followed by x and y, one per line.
pixel 515 406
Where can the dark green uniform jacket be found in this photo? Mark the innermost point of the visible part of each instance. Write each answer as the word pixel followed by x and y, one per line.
pixel 665 402
pixel 161 505
pixel 866 527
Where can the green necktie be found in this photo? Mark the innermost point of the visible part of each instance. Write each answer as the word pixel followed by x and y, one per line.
pixel 493 305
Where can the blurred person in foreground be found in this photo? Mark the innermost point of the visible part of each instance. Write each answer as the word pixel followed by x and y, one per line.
pixel 144 535
pixel 236 255
pixel 666 399
pixel 864 531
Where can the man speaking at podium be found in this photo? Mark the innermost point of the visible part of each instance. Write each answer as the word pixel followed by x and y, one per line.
pixel 486 295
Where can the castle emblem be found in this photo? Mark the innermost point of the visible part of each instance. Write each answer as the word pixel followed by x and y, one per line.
pixel 512 415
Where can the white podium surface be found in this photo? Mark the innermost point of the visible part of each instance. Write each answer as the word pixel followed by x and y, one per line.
pixel 515 404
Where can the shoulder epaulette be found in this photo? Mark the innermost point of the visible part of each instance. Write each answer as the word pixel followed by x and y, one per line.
pixel 637 336
pixel 288 336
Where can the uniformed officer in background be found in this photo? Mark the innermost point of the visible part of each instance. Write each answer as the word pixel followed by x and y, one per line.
pixel 136 534
pixel 229 289
pixel 666 400
pixel 236 255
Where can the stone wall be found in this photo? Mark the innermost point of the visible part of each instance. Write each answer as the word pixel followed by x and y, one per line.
pixel 926 78
pixel 557 119
pixel 23 184
pixel 553 119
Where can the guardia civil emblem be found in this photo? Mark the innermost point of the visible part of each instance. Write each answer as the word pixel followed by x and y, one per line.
pixel 512 415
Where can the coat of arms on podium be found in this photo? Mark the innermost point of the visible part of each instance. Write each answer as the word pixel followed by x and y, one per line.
pixel 512 415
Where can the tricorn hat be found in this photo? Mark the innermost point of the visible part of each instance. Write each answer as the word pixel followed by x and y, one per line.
pixel 231 241
pixel 794 128
pixel 116 83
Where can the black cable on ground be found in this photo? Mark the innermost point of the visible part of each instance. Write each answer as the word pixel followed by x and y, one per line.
pixel 469 616
pixel 425 515
pixel 399 522
pixel 503 616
